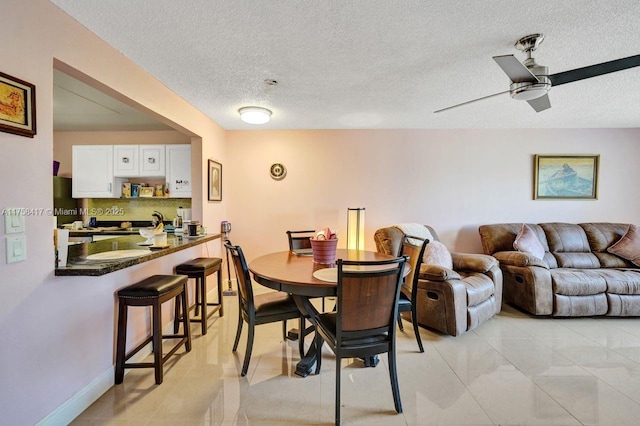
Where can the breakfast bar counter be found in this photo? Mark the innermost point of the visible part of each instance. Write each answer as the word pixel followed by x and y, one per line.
pixel 78 263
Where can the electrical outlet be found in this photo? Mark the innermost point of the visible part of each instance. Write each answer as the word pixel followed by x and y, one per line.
pixel 16 248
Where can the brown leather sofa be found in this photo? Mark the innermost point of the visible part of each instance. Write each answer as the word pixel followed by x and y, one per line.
pixel 451 301
pixel 577 275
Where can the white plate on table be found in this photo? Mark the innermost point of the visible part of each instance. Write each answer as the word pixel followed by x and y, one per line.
pixel 327 274
pixel 330 275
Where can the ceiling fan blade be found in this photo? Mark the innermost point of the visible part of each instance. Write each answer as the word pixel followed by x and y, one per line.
pixel 471 101
pixel 594 70
pixel 541 103
pixel 517 72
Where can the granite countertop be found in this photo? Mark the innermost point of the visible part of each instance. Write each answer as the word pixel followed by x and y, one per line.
pixel 97 231
pixel 79 265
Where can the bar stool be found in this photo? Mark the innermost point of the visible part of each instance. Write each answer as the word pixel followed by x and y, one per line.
pixel 152 291
pixel 199 269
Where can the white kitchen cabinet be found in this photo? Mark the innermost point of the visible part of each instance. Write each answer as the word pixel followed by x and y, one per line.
pixel 92 172
pixel 152 160
pixel 126 160
pixel 178 170
pixel 138 160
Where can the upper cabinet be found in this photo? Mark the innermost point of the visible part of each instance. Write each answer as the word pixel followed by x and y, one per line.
pixel 92 172
pixel 126 160
pixel 179 170
pixel 100 170
pixel 152 160
pixel 139 160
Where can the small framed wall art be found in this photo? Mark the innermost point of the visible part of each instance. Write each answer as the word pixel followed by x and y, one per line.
pixel 566 177
pixel 215 181
pixel 17 106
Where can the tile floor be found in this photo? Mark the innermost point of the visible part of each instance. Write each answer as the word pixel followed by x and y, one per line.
pixel 515 369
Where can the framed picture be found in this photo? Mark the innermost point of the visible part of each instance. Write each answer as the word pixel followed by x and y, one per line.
pixel 17 106
pixel 566 177
pixel 215 181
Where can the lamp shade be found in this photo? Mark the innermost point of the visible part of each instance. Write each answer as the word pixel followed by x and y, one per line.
pixel 255 115
pixel 355 228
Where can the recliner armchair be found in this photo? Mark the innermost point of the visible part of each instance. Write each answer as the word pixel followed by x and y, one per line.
pixel 451 301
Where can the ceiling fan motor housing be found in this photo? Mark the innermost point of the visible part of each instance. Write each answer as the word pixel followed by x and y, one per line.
pixel 526 91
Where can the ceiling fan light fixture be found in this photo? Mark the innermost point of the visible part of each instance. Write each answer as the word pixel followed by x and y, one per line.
pixel 527 91
pixel 254 115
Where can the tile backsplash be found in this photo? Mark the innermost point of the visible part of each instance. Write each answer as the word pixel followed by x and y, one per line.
pixel 134 209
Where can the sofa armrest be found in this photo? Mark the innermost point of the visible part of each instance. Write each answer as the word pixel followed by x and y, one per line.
pixel 516 258
pixel 470 262
pixel 437 273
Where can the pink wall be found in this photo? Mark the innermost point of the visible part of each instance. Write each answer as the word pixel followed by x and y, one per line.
pixel 58 332
pixel 453 180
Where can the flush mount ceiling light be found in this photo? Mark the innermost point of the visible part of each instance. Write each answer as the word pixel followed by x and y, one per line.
pixel 255 115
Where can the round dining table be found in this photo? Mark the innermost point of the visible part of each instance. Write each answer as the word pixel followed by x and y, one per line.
pixel 297 275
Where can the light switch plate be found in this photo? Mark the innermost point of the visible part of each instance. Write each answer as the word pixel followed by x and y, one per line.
pixel 13 221
pixel 16 248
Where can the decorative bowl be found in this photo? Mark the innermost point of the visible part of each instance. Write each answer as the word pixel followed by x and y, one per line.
pixel 149 234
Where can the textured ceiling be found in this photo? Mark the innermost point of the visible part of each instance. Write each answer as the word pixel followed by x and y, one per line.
pixel 375 64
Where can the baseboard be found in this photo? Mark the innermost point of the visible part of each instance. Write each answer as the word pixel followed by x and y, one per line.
pixel 74 406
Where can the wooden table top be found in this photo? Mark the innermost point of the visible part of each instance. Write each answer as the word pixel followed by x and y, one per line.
pixel 285 271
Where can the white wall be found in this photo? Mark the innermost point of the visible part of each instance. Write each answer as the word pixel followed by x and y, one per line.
pixel 57 333
pixel 454 180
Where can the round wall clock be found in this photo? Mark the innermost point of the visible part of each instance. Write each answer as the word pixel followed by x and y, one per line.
pixel 278 171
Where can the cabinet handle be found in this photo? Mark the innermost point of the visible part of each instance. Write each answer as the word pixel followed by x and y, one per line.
pixel 125 159
pixel 109 186
pixel 151 160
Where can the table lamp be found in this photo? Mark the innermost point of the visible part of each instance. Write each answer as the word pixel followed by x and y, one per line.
pixel 355 228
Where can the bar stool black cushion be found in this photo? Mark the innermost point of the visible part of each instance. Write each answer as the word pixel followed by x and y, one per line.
pixel 152 291
pixel 153 286
pixel 200 264
pixel 199 268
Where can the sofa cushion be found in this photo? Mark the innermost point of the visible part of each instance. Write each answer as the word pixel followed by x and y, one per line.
pixel 437 254
pixel 527 242
pixel 628 247
pixel 579 306
pixel 572 282
pixel 621 281
pixel 601 236
pixel 500 236
pixel 479 288
pixel 569 244
pixel 623 305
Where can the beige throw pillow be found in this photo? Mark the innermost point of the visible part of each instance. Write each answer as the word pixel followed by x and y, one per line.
pixel 628 247
pixel 437 254
pixel 527 242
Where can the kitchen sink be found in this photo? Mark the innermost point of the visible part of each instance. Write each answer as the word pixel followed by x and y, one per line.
pixel 117 254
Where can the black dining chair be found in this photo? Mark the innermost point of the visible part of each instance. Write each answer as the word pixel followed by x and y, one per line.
pixel 299 242
pixel 408 300
pixel 259 309
pixel 300 245
pixel 364 323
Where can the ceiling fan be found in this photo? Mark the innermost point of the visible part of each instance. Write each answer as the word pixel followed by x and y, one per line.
pixel 531 82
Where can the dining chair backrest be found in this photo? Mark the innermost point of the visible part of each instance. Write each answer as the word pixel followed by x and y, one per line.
pixel 245 290
pixel 416 255
pixel 299 239
pixel 367 298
